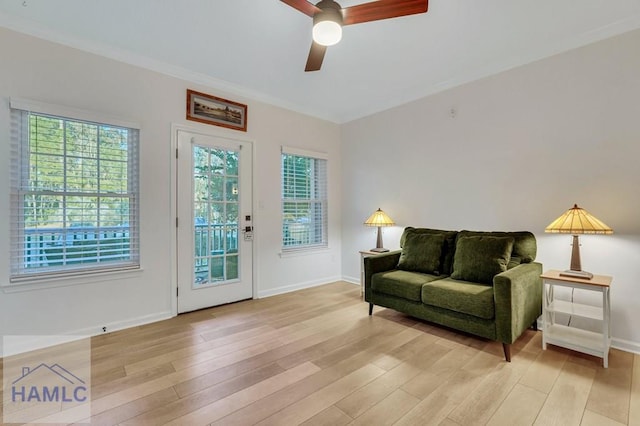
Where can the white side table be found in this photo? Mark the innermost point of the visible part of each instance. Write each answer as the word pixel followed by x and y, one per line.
pixel 363 254
pixel 589 342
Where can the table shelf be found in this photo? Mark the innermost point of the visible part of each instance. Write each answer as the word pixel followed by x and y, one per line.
pixel 576 339
pixel 596 343
pixel 576 309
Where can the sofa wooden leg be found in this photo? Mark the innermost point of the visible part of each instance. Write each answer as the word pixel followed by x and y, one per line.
pixel 507 351
pixel 535 325
pixel 370 308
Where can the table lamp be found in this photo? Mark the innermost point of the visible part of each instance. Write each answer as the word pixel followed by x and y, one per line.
pixel 379 219
pixel 577 221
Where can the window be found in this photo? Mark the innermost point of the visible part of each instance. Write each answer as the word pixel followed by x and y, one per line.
pixel 304 199
pixel 74 195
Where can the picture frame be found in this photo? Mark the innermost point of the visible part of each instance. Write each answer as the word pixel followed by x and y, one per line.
pixel 217 111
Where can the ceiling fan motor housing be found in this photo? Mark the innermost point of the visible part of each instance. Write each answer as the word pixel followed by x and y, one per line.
pixel 330 11
pixel 327 23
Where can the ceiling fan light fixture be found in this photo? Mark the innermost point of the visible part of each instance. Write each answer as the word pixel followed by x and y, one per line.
pixel 329 18
pixel 327 27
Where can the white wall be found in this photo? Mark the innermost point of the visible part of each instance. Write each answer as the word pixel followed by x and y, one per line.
pixel 523 146
pixel 43 71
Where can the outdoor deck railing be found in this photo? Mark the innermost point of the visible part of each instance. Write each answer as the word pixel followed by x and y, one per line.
pixel 46 247
pixel 210 249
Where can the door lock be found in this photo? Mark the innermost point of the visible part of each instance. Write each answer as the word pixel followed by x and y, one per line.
pixel 248 233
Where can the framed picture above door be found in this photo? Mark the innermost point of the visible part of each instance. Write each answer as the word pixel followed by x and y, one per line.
pixel 211 109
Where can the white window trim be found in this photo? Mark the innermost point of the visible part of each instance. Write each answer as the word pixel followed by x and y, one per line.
pixel 72 280
pixel 304 251
pixel 311 248
pixel 78 276
pixel 69 112
pixel 304 152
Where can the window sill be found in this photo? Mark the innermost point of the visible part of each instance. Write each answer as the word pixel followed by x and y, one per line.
pixel 303 251
pixel 66 281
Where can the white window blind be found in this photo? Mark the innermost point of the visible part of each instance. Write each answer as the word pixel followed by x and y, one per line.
pixel 304 199
pixel 74 196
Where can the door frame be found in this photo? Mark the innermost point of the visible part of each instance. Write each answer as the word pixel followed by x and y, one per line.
pixel 204 131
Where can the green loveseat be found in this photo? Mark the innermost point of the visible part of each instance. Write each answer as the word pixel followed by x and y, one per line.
pixel 483 283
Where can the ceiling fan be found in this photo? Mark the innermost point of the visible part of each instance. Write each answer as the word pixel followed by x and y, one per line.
pixel 329 18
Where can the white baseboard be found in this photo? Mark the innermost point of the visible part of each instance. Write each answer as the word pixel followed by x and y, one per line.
pixel 351 280
pixel 299 286
pixel 121 325
pixel 625 345
pixel 32 343
pixel 18 344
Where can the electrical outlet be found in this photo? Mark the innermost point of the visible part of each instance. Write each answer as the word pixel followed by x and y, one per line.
pixel 104 329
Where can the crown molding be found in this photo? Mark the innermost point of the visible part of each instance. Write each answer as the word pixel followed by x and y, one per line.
pixel 33 29
pixel 408 95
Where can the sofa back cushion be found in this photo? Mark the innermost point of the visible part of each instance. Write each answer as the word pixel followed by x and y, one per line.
pixel 524 244
pixel 421 253
pixel 448 246
pixel 479 258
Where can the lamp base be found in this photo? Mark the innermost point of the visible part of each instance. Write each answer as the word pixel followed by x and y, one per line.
pixel 379 250
pixel 577 274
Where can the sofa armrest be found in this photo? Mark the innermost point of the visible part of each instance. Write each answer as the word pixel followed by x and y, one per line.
pixel 379 263
pixel 518 300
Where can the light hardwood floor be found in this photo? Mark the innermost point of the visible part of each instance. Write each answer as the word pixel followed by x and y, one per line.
pixel 314 357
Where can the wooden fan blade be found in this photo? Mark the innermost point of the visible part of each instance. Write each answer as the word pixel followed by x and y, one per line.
pixel 382 9
pixel 316 55
pixel 303 6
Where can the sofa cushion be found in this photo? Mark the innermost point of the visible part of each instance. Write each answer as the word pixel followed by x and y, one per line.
pixel 448 248
pixel 480 258
pixel 421 253
pixel 460 296
pixel 405 284
pixel 514 261
pixel 524 244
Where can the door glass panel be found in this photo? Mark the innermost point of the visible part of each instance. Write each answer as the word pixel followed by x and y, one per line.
pixel 232 267
pixel 232 213
pixel 217 160
pixel 216 189
pixel 217 269
pixel 200 160
pixel 232 189
pixel 216 211
pixel 201 270
pixel 215 221
pixel 232 163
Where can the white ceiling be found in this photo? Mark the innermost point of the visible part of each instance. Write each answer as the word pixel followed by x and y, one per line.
pixel 258 48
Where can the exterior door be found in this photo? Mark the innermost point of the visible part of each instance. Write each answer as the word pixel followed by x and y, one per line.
pixel 214 237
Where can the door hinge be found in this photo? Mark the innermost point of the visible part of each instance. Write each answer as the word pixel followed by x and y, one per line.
pixel 177 291
pixel 176 222
pixel 176 152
